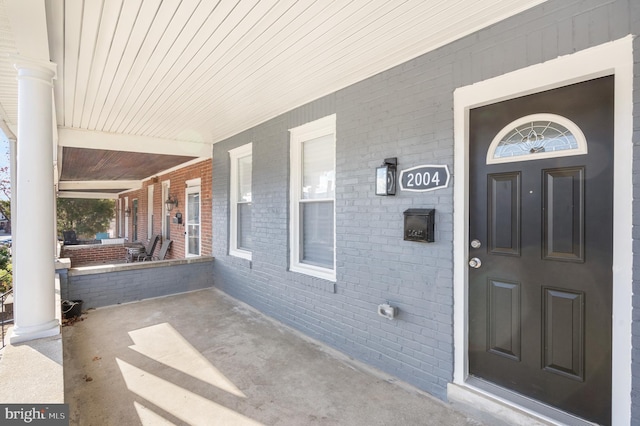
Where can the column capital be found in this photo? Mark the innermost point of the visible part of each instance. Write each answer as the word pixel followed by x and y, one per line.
pixel 34 68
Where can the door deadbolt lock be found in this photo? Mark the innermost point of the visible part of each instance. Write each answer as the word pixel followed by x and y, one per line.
pixel 475 263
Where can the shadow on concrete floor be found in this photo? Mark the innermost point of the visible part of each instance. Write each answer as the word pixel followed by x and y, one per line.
pixel 203 358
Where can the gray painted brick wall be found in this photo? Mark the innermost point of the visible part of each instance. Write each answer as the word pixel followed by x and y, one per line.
pixel 128 285
pixel 405 112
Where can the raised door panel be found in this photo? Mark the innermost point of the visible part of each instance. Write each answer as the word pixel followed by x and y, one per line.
pixel 563 214
pixel 563 333
pixel 504 324
pixel 504 213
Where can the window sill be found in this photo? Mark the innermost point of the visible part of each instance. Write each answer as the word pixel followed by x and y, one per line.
pixel 240 253
pixel 314 271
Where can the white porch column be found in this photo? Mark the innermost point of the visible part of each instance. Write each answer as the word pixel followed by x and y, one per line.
pixel 33 253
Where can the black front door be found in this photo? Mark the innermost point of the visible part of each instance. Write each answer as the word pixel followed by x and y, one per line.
pixel 540 232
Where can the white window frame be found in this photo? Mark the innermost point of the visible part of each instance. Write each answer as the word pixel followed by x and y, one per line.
pixel 235 155
pixel 313 130
pixel 193 187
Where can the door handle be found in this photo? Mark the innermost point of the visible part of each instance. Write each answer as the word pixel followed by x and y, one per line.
pixel 475 263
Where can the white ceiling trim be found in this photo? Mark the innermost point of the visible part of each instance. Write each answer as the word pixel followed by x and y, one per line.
pixel 99 185
pixel 23 32
pixel 89 195
pixel 75 138
pixel 55 12
pixel 7 128
pixel 29 24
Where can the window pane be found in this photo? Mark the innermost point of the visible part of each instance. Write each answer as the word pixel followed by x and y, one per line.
pixel 194 239
pixel 193 223
pixel 317 233
pixel 318 175
pixel 193 208
pixel 245 241
pixel 244 179
pixel 535 137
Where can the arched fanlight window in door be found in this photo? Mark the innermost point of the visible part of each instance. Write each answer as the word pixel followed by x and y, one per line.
pixel 535 137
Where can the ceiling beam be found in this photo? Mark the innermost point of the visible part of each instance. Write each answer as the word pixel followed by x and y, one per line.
pixel 9 130
pixel 89 195
pixel 75 138
pixel 99 185
pixel 29 24
pixel 55 32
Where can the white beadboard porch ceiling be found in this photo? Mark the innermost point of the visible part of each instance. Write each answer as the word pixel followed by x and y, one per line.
pixel 168 78
pixel 203 70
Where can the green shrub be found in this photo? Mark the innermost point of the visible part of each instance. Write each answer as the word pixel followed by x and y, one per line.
pixel 6 274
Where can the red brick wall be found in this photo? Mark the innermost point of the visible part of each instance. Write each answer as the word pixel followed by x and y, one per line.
pixel 177 181
pixel 94 254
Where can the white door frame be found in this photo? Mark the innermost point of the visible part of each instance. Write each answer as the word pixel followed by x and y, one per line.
pixel 614 58
pixel 126 218
pixel 150 189
pixel 193 187
pixel 166 187
pixel 120 218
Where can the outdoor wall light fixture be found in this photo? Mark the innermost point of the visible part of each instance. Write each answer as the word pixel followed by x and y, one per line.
pixel 386 177
pixel 171 203
pixel 127 212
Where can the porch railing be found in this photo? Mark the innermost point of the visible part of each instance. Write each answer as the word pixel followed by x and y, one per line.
pixel 6 317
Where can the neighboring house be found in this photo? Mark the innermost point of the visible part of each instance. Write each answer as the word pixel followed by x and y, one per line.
pixel 189 188
pixel 5 224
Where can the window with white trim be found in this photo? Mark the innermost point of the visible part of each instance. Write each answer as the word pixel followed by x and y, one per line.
pixel 240 238
pixel 312 225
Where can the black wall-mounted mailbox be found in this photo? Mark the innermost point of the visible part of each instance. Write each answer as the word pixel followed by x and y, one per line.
pixel 418 225
pixel 178 218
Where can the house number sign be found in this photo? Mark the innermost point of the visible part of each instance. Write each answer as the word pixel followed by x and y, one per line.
pixel 424 178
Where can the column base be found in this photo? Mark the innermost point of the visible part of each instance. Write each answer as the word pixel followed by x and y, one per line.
pixel 25 334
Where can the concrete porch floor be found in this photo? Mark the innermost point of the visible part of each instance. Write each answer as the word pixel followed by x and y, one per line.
pixel 204 358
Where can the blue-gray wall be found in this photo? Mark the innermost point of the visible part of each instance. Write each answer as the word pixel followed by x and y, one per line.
pixel 406 112
pixel 115 284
